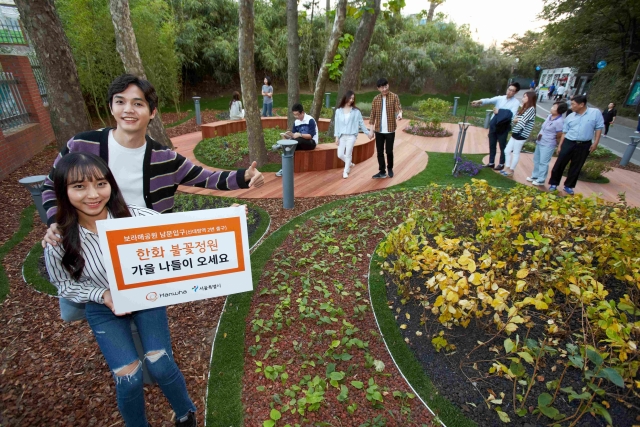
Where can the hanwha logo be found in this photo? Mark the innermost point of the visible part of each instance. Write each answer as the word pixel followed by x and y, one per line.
pixel 152 296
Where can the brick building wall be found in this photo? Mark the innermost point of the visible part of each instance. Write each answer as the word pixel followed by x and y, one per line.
pixel 19 145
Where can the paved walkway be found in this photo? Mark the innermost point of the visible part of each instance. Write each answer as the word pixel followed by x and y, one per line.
pixel 410 159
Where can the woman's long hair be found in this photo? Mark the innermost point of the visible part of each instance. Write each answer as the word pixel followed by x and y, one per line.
pixel 531 101
pixel 78 167
pixel 345 99
pixel 235 97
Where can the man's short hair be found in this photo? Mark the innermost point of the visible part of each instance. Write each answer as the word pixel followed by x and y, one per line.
pixel 580 99
pixel 298 108
pixel 382 82
pixel 516 85
pixel 121 83
pixel 562 107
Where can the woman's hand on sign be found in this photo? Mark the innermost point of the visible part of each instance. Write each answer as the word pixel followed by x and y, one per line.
pixel 254 176
pixel 246 209
pixel 52 237
pixel 108 301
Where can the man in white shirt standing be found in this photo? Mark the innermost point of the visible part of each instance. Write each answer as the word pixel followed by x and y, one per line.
pixel 499 134
pixel 560 92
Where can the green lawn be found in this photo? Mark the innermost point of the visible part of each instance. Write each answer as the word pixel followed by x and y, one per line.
pixel 438 171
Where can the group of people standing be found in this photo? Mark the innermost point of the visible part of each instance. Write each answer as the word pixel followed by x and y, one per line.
pixel 573 137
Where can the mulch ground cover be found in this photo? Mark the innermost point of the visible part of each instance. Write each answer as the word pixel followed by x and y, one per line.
pixel 310 316
pixel 51 372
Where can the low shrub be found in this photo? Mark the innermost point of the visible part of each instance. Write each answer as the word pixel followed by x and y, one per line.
pixel 592 171
pixel 529 147
pixel 365 108
pixel 556 282
pixel 433 110
pixel 602 153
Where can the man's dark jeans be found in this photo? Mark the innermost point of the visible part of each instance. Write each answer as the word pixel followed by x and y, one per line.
pixel 381 140
pixel 494 139
pixel 573 152
pixel 305 144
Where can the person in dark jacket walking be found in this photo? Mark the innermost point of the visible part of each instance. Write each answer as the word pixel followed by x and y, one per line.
pixel 609 115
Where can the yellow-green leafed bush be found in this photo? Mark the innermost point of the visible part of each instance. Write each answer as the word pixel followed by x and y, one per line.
pixel 518 256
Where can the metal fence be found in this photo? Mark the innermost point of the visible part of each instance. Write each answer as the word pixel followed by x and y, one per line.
pixel 39 75
pixel 11 33
pixel 12 110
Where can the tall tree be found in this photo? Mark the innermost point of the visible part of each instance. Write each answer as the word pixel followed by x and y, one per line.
pixel 310 37
pixel 66 106
pixel 432 8
pixel 127 47
pixel 326 15
pixel 293 59
pixel 257 150
pixel 357 51
pixel 330 52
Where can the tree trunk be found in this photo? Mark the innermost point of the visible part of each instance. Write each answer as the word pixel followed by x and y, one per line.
pixel 257 150
pixel 357 51
pixel 68 112
pixel 127 47
pixel 326 16
pixel 432 9
pixel 309 39
pixel 293 59
pixel 330 52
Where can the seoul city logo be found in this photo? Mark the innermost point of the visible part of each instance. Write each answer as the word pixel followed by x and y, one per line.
pixel 152 296
pixel 195 288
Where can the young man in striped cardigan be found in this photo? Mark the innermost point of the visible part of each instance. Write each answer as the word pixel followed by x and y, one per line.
pixel 147 172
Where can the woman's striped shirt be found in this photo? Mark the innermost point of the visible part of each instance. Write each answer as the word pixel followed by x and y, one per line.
pixel 525 123
pixel 93 282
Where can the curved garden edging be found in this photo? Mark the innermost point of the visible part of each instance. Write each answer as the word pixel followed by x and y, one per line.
pixel 26 225
pixel 324 157
pixel 447 414
pixel 225 407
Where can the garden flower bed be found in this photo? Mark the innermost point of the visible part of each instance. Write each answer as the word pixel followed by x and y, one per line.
pixel 426 129
pixel 521 306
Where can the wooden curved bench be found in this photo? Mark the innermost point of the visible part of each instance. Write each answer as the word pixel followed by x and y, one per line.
pixel 324 157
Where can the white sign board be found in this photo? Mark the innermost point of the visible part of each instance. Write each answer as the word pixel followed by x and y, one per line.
pixel 161 260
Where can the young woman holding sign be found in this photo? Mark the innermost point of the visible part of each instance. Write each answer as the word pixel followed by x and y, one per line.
pixel 87 192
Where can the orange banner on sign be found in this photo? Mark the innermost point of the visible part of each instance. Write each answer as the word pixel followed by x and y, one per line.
pixel 158 233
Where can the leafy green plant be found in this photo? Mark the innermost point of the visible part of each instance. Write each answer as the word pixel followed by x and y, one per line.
pixel 522 260
pixel 433 110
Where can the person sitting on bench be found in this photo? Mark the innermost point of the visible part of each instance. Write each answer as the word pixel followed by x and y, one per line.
pixel 305 130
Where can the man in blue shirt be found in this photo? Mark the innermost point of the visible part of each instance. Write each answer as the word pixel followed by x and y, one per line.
pixel 576 142
pixel 499 134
